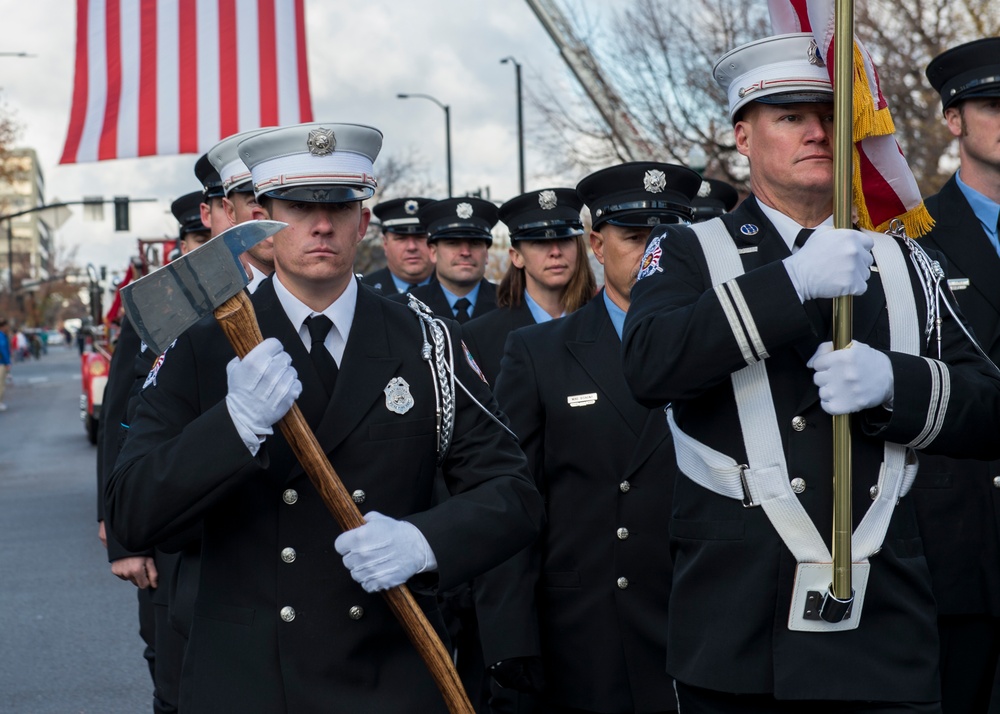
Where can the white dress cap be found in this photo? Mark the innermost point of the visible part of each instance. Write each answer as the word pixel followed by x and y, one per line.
pixel 783 69
pixel 320 162
pixel 226 160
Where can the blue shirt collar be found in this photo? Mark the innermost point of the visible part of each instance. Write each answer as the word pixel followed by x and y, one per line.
pixel 537 311
pixel 402 286
pixel 616 314
pixel 986 210
pixel 452 298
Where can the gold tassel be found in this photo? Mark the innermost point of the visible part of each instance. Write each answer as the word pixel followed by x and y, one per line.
pixel 917 222
pixel 867 120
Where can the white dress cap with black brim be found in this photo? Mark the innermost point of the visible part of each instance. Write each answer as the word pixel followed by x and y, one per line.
pixel 547 214
pixel 782 69
pixel 319 162
pixel 226 159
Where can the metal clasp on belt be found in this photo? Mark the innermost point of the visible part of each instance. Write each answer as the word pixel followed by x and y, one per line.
pixel 747 498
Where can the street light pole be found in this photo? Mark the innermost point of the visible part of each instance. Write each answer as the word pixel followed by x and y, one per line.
pixel 520 121
pixel 447 128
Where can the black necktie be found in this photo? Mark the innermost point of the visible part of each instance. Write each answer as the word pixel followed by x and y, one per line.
pixel 326 367
pixel 462 306
pixel 803 236
pixel 410 288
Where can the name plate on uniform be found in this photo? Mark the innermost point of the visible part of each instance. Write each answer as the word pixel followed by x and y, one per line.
pixel 582 400
pixel 813 578
pixel 958 283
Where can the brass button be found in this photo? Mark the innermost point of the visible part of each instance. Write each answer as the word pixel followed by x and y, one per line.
pixel 873 492
pixel 622 583
pixel 799 423
pixel 288 555
pixel 996 482
pixel 358 497
pixel 622 533
pixel 356 612
pixel 290 496
pixel 798 485
pixel 288 613
pixel 624 486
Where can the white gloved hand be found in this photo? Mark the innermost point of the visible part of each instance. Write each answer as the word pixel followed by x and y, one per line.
pixel 262 388
pixel 852 379
pixel 384 552
pixel 832 263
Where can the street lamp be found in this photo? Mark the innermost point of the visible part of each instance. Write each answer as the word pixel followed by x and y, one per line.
pixel 447 128
pixel 520 121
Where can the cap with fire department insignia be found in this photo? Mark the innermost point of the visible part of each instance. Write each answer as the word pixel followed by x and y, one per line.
pixel 549 214
pixel 969 70
pixel 468 217
pixel 401 215
pixel 639 194
pixel 782 69
pixel 321 162
pixel 232 171
pixel 187 211
pixel 209 178
pixel 714 198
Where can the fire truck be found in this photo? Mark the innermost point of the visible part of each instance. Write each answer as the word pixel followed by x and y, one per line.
pixel 100 330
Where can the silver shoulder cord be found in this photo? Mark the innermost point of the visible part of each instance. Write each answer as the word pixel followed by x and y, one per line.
pixel 440 357
pixel 931 276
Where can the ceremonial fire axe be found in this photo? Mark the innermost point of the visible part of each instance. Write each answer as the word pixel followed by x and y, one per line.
pixel 210 280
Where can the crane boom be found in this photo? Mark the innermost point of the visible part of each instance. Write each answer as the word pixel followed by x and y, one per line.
pixel 587 71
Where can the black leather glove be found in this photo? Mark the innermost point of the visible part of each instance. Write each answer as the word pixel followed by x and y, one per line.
pixel 523 674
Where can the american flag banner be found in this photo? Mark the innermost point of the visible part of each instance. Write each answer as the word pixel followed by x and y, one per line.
pixel 883 188
pixel 160 77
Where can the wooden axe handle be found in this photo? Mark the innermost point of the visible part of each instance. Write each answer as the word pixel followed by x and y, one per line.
pixel 238 321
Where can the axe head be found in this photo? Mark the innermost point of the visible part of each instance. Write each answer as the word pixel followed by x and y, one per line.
pixel 165 303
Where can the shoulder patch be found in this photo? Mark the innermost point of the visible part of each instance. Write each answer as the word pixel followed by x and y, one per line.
pixel 151 377
pixel 651 259
pixel 472 362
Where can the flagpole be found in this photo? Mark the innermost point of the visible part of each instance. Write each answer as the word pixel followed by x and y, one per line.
pixel 843 173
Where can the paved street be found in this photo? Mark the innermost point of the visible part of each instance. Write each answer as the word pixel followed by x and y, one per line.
pixel 69 638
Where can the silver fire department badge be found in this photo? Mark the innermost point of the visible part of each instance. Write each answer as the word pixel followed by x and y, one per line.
pixel 547 200
pixel 411 207
pixel 464 210
pixel 321 142
pixel 654 181
pixel 397 396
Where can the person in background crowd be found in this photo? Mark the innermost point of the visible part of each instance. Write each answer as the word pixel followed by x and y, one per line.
pixel 404 240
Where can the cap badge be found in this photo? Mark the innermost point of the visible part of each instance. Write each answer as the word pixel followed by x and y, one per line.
pixel 321 142
pixel 654 181
pixel 812 54
pixel 464 210
pixel 411 207
pixel 749 229
pixel 547 200
pixel 397 396
pixel 705 190
pixel 550 232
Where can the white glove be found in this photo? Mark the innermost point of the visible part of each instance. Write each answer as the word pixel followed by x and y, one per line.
pixel 384 552
pixel 852 379
pixel 832 263
pixel 262 388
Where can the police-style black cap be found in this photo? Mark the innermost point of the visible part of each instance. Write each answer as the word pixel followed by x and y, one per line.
pixel 209 177
pixel 551 213
pixel 187 211
pixel 467 217
pixel 969 70
pixel 401 215
pixel 639 193
pixel 714 199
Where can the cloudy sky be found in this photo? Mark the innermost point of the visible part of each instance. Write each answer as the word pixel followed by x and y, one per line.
pixel 361 55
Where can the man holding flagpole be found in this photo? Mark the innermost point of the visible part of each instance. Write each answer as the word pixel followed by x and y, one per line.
pixel 730 324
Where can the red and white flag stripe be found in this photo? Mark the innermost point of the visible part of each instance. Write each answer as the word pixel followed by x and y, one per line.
pixel 160 77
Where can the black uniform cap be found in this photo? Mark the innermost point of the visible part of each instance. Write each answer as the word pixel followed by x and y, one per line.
pixel 551 213
pixel 468 217
pixel 187 211
pixel 400 215
pixel 639 193
pixel 969 70
pixel 714 199
pixel 209 177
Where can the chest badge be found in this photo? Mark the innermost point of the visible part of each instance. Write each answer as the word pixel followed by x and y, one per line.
pixel 397 396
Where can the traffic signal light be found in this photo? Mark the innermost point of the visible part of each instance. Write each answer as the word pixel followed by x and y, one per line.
pixel 121 213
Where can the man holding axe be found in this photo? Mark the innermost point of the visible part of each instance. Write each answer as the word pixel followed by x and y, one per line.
pixel 280 624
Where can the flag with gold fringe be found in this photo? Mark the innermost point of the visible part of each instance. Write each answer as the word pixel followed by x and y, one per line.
pixel 883 187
